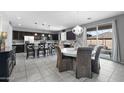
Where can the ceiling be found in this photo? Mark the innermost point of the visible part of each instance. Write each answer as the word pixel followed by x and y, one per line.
pixel 55 20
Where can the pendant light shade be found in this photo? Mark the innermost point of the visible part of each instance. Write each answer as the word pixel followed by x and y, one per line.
pixel 77 30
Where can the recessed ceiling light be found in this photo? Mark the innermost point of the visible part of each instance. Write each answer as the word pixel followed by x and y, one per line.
pixel 35 23
pixel 89 18
pixel 18 18
pixel 43 24
pixel 19 24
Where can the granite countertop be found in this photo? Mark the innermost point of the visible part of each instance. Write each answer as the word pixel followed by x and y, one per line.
pixel 18 44
pixel 7 49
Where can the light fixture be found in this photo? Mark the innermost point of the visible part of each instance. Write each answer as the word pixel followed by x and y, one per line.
pixel 19 24
pixel 43 24
pixel 43 35
pixel 18 17
pixel 77 30
pixel 46 26
pixel 49 35
pixel 89 18
pixel 35 23
pixel 35 34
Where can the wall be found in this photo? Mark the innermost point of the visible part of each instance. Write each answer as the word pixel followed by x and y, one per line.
pixel 6 27
pixel 63 36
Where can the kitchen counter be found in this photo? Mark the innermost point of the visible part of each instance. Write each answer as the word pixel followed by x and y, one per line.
pixel 18 44
pixel 7 63
pixel 19 47
pixel 7 49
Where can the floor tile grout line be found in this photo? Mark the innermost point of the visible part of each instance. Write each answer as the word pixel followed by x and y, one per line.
pixel 39 72
pixel 25 68
pixel 111 75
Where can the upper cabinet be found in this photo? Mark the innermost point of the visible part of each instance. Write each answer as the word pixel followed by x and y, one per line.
pixel 70 35
pixel 19 35
pixel 15 35
pixel 54 36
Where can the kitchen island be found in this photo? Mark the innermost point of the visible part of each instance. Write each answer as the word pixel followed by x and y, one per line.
pixel 7 62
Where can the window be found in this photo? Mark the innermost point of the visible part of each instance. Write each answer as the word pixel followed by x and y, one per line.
pixel 91 36
pixel 101 35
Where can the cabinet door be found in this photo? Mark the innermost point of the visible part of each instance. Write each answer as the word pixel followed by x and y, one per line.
pixel 19 48
pixel 70 35
pixel 54 36
pixel 15 35
pixel 21 35
pixel 29 34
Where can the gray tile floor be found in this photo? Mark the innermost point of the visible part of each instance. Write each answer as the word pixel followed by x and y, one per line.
pixel 44 69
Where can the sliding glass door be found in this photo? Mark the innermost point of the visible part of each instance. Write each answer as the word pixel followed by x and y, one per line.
pixel 101 35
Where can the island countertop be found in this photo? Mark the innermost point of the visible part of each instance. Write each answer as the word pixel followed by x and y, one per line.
pixel 7 49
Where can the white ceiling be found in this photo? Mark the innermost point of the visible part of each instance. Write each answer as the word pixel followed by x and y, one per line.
pixel 57 19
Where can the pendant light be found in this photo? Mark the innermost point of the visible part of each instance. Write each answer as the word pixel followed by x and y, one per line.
pixel 77 30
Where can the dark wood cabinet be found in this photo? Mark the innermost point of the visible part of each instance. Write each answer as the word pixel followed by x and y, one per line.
pixel 26 33
pixel 19 35
pixel 7 63
pixel 15 35
pixel 70 35
pixel 19 48
pixel 54 36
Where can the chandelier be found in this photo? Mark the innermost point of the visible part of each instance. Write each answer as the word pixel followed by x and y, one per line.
pixel 78 30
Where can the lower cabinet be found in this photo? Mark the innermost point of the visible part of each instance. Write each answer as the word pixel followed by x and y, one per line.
pixel 19 48
pixel 7 63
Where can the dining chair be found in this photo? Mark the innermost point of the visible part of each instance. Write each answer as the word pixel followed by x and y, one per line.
pixel 91 46
pixel 95 59
pixel 30 50
pixel 41 49
pixel 64 63
pixel 83 62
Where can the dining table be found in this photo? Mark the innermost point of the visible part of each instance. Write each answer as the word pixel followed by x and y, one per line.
pixel 82 64
pixel 71 52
